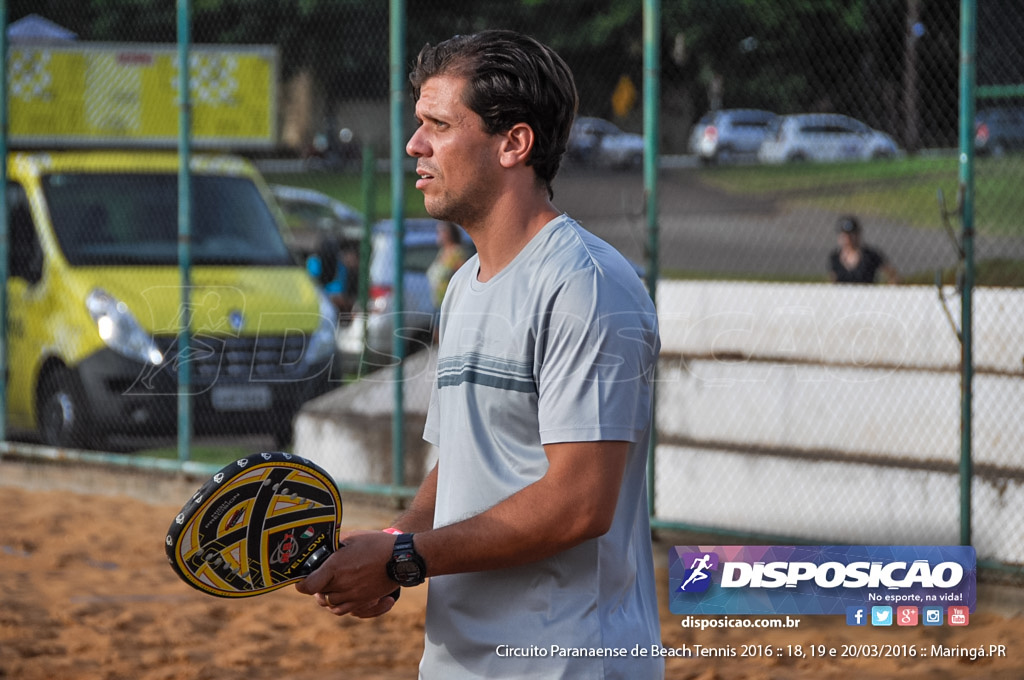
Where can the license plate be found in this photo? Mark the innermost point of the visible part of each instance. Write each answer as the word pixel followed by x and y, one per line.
pixel 241 397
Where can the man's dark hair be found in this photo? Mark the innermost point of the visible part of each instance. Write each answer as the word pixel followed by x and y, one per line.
pixel 512 79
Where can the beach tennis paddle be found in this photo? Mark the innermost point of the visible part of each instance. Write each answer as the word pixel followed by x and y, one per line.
pixel 258 524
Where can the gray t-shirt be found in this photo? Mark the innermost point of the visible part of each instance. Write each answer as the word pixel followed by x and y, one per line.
pixel 560 346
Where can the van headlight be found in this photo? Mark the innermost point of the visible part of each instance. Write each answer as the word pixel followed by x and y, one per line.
pixel 321 343
pixel 119 329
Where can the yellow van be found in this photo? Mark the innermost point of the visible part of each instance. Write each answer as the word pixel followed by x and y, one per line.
pixel 95 301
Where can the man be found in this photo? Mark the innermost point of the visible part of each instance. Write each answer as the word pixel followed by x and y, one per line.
pixel 853 262
pixel 533 525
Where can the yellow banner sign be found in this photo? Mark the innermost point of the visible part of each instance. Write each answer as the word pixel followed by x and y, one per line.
pixel 127 94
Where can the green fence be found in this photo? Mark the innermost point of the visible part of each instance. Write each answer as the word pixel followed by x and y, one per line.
pixel 789 407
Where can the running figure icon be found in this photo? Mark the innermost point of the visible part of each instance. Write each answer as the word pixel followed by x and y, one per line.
pixel 698 570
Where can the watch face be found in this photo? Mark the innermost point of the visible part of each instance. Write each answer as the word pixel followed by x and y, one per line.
pixel 407 569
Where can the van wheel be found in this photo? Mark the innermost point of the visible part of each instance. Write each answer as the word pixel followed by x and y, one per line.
pixel 63 415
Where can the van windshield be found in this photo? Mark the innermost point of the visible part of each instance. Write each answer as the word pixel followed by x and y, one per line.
pixel 122 218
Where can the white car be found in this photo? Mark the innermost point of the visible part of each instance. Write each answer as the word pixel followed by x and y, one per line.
pixel 825 137
pixel 730 134
pixel 598 142
pixel 366 342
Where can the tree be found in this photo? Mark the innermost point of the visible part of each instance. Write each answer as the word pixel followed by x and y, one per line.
pixel 785 55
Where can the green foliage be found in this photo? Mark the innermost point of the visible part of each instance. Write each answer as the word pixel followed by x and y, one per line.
pixel 787 57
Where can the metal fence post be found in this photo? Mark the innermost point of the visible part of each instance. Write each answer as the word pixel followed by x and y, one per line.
pixel 4 225
pixel 968 21
pixel 652 84
pixel 398 21
pixel 184 236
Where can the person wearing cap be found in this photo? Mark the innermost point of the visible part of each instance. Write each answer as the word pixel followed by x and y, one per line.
pixel 853 262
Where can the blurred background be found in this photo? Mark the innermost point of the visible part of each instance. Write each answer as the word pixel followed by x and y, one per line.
pixel 789 406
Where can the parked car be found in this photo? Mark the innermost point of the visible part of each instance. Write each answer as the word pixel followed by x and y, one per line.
pixel 366 342
pixel 825 137
pixel 729 134
pixel 311 215
pixel 600 143
pixel 998 129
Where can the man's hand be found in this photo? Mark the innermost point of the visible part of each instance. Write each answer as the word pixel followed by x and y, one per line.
pixel 354 579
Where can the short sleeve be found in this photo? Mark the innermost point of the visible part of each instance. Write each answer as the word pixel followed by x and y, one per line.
pixel 595 356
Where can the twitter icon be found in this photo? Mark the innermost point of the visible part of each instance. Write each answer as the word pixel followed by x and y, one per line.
pixel 881 616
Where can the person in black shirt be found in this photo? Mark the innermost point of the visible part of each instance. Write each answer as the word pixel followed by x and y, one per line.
pixel 853 262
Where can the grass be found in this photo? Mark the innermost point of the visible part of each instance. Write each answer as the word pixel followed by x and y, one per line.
pixel 696 275
pixel 997 272
pixel 904 190
pixel 212 454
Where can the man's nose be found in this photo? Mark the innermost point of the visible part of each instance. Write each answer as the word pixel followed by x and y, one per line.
pixel 416 147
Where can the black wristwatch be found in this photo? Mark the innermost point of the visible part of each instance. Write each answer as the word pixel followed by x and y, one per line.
pixel 406 567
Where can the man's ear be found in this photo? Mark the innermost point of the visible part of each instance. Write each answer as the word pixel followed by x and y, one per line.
pixel 516 145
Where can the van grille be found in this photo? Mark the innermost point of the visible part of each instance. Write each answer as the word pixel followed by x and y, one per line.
pixel 240 359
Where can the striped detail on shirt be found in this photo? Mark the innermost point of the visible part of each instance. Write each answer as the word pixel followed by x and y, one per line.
pixel 489 371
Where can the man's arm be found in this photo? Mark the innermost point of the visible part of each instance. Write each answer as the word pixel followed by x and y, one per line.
pixel 574 501
pixel 419 516
pixel 890 272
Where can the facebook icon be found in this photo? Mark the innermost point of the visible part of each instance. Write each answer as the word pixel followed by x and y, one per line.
pixel 856 616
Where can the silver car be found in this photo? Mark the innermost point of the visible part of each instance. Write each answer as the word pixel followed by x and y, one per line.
pixel 825 137
pixel 730 134
pixel 598 142
pixel 366 343
pixel 310 216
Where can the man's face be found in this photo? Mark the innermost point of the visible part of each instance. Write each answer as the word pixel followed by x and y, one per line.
pixel 457 160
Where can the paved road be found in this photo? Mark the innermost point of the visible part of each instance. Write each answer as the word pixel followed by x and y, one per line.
pixel 706 230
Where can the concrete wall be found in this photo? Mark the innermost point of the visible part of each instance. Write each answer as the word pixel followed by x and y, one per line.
pixel 830 413
pixel 833 413
pixel 348 431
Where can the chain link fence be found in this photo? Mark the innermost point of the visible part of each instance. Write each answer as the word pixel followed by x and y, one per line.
pixel 788 405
